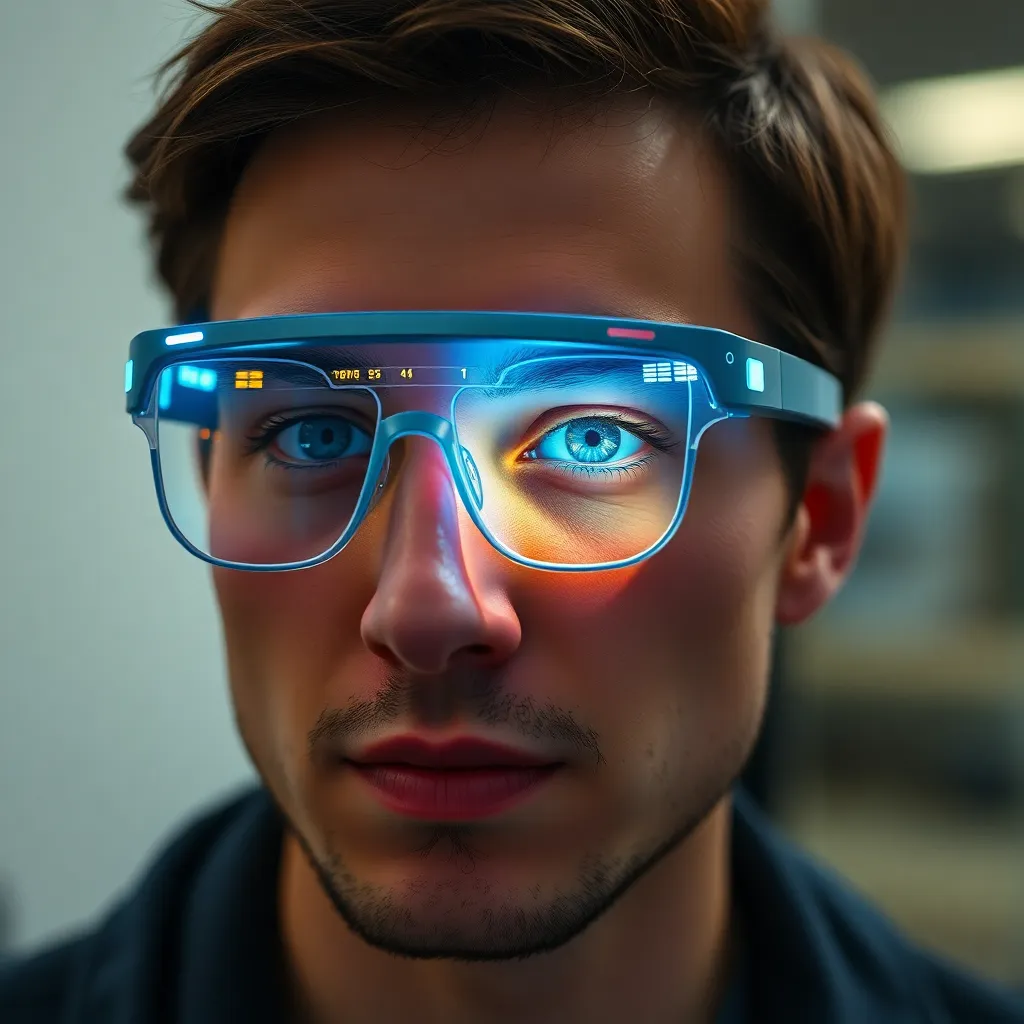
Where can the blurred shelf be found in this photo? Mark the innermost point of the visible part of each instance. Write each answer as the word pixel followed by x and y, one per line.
pixel 953 883
pixel 977 663
pixel 960 361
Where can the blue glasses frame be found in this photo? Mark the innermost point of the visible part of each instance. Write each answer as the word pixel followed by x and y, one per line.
pixel 745 378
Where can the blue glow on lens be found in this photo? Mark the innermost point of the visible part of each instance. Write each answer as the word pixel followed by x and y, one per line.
pixel 166 383
pixel 129 374
pixel 184 339
pixel 586 441
pixel 755 375
pixel 194 377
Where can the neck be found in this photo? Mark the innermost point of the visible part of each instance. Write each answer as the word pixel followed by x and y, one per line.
pixel 660 954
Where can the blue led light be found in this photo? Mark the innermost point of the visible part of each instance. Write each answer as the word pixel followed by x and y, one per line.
pixel 194 377
pixel 129 373
pixel 755 374
pixel 166 383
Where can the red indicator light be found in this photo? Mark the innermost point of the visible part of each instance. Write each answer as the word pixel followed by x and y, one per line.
pixel 630 332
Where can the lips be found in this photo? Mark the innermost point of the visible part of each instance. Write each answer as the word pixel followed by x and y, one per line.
pixel 464 753
pixel 459 780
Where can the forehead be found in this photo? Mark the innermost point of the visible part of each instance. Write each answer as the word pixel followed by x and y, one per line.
pixel 626 213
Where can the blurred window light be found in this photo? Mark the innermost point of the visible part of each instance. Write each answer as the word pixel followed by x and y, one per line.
pixel 963 123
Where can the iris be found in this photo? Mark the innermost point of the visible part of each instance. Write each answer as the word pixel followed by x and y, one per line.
pixel 587 440
pixel 322 439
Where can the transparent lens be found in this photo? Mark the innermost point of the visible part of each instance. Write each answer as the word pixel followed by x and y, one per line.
pixel 262 462
pixel 564 454
pixel 580 461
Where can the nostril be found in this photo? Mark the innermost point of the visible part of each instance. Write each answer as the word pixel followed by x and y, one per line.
pixel 475 657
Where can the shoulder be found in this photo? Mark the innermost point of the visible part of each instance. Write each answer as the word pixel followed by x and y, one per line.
pixel 108 971
pixel 968 999
pixel 841 958
pixel 35 989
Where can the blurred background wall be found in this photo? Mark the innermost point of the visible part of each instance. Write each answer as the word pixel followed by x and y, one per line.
pixel 896 741
pixel 898 732
pixel 113 717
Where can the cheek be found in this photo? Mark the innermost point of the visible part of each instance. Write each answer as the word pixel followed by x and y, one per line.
pixel 289 637
pixel 296 619
pixel 676 650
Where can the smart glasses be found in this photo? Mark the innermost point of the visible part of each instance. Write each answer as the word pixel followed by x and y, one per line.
pixel 570 440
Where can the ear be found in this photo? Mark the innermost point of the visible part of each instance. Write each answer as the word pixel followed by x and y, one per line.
pixel 825 539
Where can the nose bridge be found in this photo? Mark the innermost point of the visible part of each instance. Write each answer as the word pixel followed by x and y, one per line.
pixel 428 609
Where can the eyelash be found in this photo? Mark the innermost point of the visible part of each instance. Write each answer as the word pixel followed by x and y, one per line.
pixel 582 469
pixel 260 438
pixel 656 437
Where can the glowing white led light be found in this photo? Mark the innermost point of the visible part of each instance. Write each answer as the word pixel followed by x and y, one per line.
pixel 755 375
pixel 184 339
pixel 666 373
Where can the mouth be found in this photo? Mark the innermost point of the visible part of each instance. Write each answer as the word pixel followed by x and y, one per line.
pixel 461 780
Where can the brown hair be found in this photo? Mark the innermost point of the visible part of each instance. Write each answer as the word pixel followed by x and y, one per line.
pixel 822 196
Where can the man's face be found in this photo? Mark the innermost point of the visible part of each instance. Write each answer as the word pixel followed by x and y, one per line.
pixel 657 673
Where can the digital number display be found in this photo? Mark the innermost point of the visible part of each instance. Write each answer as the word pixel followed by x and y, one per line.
pixel 421 375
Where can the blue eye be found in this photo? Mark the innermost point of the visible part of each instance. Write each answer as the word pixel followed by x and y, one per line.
pixel 587 440
pixel 322 439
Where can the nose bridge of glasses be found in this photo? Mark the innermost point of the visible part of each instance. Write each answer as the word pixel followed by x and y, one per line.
pixel 417 424
pixel 441 430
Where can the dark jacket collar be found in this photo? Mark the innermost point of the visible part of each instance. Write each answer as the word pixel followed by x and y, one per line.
pixel 197 941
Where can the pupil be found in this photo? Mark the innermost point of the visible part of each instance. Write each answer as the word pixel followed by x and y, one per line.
pixel 592 440
pixel 321 440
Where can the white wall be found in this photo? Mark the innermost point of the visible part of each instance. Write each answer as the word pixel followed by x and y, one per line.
pixel 114 719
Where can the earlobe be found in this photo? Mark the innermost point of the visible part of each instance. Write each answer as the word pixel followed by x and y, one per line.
pixel 825 539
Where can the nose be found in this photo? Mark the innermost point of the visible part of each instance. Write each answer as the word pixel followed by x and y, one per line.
pixel 428 614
